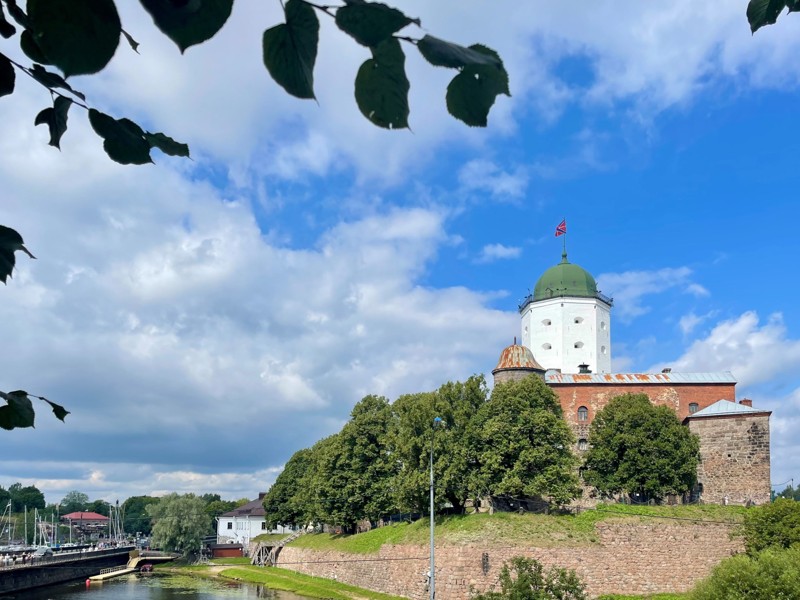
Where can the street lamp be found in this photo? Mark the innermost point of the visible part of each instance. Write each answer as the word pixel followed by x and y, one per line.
pixel 432 573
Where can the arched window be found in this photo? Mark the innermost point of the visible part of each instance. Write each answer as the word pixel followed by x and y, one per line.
pixel 583 414
pixel 582 444
pixel 578 319
pixel 693 408
pixel 579 344
pixel 547 322
pixel 546 346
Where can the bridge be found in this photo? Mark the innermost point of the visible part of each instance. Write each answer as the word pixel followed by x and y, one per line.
pixel 134 564
pixel 71 565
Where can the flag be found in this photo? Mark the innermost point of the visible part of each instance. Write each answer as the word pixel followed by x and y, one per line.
pixel 562 228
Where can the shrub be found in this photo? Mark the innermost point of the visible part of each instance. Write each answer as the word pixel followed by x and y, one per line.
pixel 771 574
pixel 775 525
pixel 526 579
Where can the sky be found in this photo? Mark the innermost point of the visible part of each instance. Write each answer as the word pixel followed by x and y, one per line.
pixel 204 319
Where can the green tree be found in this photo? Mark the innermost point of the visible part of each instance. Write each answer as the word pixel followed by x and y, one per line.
pixel 283 502
pixel 214 509
pixel 456 403
pixel 792 493
pixel 74 501
pixel 179 522
pixel 135 515
pixel 523 445
pixel 526 579
pixel 5 497
pixel 101 507
pixel 769 574
pixel 774 525
pixel 22 496
pixel 640 449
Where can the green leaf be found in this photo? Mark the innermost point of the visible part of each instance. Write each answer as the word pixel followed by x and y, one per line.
pixel 793 5
pixel 446 54
pixel 52 80
pixel 382 86
pixel 78 37
pixel 166 144
pixel 6 28
pixel 370 23
pixel 7 76
pixel 189 22
pixel 18 412
pixel 290 49
pixel 31 48
pixel 17 14
pixel 59 411
pixel 10 242
pixel 123 140
pixel 56 119
pixel 763 12
pixel 473 91
pixel 132 42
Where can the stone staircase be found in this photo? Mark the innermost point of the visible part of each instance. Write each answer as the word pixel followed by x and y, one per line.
pixel 266 554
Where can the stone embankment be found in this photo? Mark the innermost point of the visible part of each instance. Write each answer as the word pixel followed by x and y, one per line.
pixel 628 558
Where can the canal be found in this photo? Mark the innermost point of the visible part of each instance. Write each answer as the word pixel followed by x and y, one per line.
pixel 157 586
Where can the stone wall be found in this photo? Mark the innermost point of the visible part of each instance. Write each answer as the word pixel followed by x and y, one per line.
pixel 630 557
pixel 734 458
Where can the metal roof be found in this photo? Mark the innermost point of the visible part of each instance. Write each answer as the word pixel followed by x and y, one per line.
pixel 254 508
pixel 555 377
pixel 517 357
pixel 727 407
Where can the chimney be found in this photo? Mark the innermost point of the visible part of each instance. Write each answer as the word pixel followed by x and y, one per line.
pixel 666 370
pixel 261 495
pixel 584 368
pixel 746 402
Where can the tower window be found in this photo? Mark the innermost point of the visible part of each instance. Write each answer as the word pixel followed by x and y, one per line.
pixel 602 325
pixel 602 349
pixel 546 346
pixel 579 319
pixel 547 322
pixel 582 444
pixel 693 407
pixel 583 414
pixel 579 344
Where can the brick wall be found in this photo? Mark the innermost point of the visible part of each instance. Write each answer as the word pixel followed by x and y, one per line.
pixel 629 558
pixel 734 458
pixel 676 396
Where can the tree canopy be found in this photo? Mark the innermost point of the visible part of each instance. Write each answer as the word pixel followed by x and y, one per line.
pixel 774 525
pixel 136 519
pixel 179 522
pixel 74 501
pixel 515 443
pixel 640 449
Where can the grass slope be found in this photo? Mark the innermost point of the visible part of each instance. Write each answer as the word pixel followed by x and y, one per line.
pixel 543 531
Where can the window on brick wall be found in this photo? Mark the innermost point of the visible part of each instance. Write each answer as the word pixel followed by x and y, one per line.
pixel 693 406
pixel 583 414
pixel 582 444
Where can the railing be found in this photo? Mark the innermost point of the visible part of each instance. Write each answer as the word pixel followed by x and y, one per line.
pixel 62 557
pixel 113 569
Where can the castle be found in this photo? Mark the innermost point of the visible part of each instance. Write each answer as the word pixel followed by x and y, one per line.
pixel 566 323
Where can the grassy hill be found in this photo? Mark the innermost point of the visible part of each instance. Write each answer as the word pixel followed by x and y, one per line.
pixel 512 528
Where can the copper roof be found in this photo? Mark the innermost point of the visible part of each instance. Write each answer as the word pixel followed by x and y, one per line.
pixel 517 357
pixel 554 377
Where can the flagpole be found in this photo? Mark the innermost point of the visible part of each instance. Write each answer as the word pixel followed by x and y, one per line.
pixel 565 238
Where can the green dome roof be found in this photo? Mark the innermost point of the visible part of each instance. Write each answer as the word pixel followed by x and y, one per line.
pixel 565 279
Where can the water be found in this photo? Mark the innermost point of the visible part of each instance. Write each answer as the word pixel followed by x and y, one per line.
pixel 158 586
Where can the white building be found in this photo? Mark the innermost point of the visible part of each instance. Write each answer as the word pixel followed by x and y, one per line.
pixel 566 322
pixel 242 524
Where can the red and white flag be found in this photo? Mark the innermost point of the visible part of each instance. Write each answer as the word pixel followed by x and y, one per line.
pixel 562 228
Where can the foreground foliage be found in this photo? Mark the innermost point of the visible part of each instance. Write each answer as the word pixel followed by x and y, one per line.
pixel 640 449
pixel 81 38
pixel 772 574
pixel 526 579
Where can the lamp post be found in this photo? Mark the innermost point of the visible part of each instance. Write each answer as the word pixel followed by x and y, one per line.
pixel 432 573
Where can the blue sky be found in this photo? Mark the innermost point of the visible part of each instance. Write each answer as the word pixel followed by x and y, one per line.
pixel 192 311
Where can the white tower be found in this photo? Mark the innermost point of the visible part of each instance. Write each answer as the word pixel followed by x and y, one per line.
pixel 566 322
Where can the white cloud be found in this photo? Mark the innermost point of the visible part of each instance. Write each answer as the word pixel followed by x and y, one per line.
pixel 764 360
pixel 689 322
pixel 630 288
pixel 481 175
pixel 494 252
